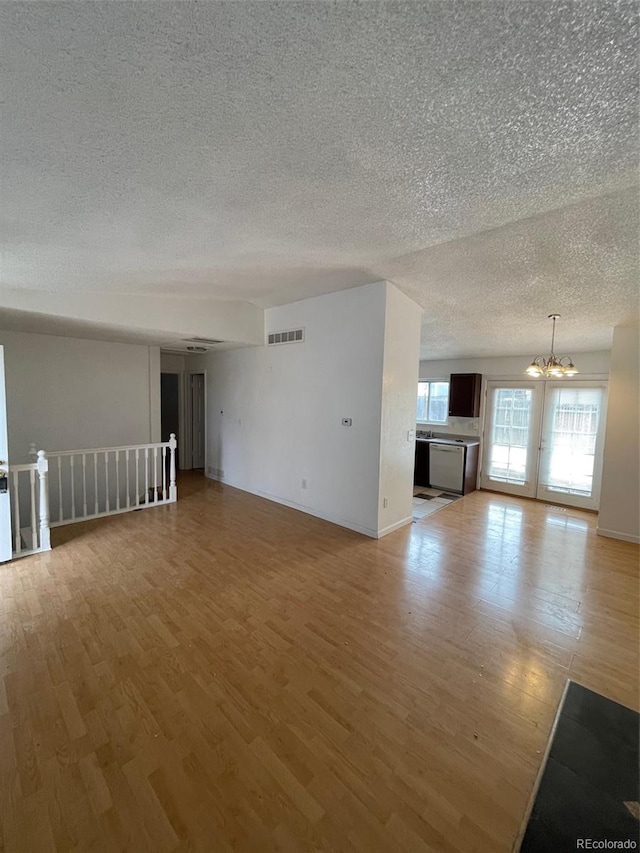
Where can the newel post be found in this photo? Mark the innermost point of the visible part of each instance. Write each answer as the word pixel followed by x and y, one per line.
pixel 43 468
pixel 173 489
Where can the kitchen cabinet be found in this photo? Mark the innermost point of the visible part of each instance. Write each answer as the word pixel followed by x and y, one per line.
pixel 464 395
pixel 421 470
pixel 470 468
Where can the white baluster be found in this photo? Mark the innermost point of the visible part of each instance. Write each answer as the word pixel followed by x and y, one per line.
pixel 84 484
pixel 16 514
pixel 146 475
pixel 173 489
pixel 164 473
pixel 117 479
pixel 126 456
pixel 34 520
pixel 106 477
pixel 73 488
pixel 59 464
pixel 95 483
pixel 155 474
pixel 43 468
pixel 137 476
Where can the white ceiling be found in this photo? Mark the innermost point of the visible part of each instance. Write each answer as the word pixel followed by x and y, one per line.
pixel 479 155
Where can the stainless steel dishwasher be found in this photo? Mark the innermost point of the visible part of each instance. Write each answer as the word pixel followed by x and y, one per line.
pixel 446 467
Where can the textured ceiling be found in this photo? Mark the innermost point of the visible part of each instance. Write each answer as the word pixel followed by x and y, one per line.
pixel 474 153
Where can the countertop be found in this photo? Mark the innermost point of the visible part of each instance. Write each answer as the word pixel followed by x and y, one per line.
pixel 466 441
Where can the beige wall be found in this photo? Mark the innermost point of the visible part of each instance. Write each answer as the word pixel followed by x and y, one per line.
pixel 620 493
pixel 171 362
pixel 69 393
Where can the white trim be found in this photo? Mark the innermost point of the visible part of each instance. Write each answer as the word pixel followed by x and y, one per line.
pixel 617 534
pixel 365 531
pixel 392 527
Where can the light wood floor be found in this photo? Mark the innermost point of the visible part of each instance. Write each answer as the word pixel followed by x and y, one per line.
pixel 228 674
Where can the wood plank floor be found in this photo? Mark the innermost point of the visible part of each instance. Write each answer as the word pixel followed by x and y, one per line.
pixel 229 674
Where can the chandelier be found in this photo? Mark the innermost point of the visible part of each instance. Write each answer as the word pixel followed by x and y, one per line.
pixel 552 367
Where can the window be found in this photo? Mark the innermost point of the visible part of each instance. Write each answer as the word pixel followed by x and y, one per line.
pixel 433 402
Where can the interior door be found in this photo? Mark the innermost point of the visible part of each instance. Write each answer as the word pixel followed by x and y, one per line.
pixel 571 443
pixel 197 419
pixel 169 406
pixel 512 432
pixel 5 506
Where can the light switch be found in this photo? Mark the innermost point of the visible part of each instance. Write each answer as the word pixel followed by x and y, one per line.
pixel 346 422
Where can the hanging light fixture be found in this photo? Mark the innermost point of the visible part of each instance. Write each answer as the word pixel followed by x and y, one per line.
pixel 552 367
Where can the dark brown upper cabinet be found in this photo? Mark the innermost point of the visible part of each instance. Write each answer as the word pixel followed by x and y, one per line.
pixel 464 395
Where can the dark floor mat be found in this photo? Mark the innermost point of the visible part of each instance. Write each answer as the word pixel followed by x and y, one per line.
pixel 589 787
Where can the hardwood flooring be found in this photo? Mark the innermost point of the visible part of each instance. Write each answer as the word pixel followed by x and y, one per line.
pixel 229 674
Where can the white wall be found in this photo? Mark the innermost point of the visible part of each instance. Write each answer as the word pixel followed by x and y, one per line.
pixel 68 393
pixel 399 381
pixel 589 364
pixel 275 413
pixel 620 492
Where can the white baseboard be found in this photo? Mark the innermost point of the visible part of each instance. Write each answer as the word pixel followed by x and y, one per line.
pixel 616 534
pixel 365 531
pixel 396 526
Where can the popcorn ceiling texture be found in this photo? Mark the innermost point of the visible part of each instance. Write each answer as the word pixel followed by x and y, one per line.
pixel 480 155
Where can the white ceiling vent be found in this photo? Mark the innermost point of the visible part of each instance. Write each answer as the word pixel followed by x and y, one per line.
pixel 291 336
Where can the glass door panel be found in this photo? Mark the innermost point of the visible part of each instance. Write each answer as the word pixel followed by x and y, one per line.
pixel 511 437
pixel 570 448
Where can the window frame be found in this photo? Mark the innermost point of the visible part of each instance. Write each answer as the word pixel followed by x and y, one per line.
pixel 431 381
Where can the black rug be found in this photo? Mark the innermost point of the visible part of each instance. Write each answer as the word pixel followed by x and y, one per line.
pixel 588 792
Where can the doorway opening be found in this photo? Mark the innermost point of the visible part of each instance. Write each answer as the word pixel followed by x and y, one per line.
pixel 183 411
pixel 197 412
pixel 170 408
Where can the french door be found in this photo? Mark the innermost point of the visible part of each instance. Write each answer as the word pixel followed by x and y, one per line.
pixel 544 440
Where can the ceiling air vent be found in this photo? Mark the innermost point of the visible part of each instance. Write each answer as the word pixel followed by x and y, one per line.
pixel 291 336
pixel 202 341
